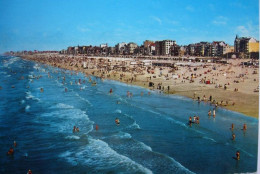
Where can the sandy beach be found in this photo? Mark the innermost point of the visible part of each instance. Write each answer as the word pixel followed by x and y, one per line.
pixel 231 86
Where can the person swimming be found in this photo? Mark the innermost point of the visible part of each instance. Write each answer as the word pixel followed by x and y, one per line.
pixel 111 91
pixel 209 113
pixel 233 136
pixel 198 120
pixel 214 113
pixel 29 172
pixel 15 144
pixel 190 121
pixel 244 127
pixel 96 127
pixel 11 151
pixel 232 126
pixel 117 121
pixel 238 155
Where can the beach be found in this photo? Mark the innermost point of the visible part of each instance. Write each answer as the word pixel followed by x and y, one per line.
pixel 232 86
pixel 67 120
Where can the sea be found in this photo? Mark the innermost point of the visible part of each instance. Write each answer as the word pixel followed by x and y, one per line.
pixel 40 105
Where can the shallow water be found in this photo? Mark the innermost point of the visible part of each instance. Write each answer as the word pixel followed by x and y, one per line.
pixel 153 135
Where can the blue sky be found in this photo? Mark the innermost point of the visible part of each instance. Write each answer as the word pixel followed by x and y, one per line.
pixel 57 24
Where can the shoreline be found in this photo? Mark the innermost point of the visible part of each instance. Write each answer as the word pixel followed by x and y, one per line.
pixel 242 101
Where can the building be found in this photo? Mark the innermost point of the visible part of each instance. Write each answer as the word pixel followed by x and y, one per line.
pixel 131 47
pixel 104 45
pixel 121 48
pixel 246 47
pixel 217 48
pixel 147 43
pixel 163 47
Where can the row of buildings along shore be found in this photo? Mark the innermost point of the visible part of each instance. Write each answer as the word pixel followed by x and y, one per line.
pixel 244 47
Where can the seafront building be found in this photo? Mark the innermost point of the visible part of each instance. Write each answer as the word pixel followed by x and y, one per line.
pixel 163 47
pixel 244 47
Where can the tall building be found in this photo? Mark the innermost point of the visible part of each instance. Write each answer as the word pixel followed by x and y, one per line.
pixel 131 46
pixel 147 43
pixel 163 47
pixel 121 48
pixel 217 48
pixel 246 47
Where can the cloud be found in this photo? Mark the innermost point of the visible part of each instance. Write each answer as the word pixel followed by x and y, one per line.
pixel 174 22
pixel 83 29
pixel 248 30
pixel 220 20
pixel 157 19
pixel 189 8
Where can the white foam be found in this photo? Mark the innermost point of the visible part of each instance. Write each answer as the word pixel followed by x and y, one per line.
pixel 11 61
pixel 30 96
pixel 82 98
pixel 72 137
pixel 207 138
pixel 118 111
pixel 134 126
pixel 65 106
pixel 145 146
pixel 27 107
pixel 122 135
pixel 99 155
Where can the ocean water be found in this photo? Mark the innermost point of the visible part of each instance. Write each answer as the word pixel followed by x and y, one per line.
pixel 153 135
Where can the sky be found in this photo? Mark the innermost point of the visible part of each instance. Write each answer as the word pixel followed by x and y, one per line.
pixel 57 24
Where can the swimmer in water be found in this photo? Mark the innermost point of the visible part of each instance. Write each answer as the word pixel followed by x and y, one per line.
pixel 209 113
pixel 111 91
pixel 117 121
pixel 15 144
pixel 232 126
pixel 238 155
pixel 42 90
pixel 214 113
pixel 11 151
pixel 96 127
pixel 198 120
pixel 244 127
pixel 194 119
pixel 190 121
pixel 74 129
pixel 233 136
pixel 29 172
